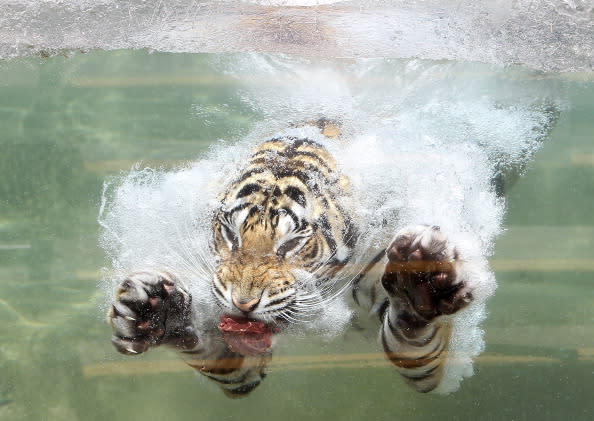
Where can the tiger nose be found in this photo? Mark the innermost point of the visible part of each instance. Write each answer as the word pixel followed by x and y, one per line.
pixel 245 304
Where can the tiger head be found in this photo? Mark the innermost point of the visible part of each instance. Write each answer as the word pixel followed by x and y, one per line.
pixel 266 243
pixel 282 232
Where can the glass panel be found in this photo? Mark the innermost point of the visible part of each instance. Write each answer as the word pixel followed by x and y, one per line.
pixel 74 127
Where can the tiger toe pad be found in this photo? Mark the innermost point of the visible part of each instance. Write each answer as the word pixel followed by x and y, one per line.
pixel 423 271
pixel 148 306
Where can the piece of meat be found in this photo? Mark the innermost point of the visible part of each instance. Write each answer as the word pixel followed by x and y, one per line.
pixel 245 336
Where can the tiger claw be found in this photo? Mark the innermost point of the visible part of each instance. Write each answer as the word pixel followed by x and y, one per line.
pixel 168 288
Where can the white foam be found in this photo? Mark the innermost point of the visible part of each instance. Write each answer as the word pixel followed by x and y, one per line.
pixel 421 147
pixel 556 35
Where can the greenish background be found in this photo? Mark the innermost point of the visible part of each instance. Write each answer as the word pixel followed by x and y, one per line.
pixel 68 123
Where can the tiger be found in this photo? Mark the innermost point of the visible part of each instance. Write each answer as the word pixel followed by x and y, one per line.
pixel 284 238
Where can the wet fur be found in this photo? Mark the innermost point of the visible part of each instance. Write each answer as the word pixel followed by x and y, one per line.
pixel 283 239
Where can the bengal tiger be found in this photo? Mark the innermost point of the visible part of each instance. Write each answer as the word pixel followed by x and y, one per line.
pixel 284 236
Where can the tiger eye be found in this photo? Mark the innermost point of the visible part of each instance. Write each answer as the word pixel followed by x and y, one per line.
pixel 288 246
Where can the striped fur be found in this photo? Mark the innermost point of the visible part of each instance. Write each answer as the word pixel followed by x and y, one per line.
pixel 283 237
pixel 280 216
pixel 416 348
pixel 237 375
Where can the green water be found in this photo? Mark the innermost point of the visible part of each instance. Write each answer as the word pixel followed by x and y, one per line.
pixel 66 124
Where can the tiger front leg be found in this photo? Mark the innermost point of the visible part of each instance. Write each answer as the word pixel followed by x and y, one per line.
pixel 424 283
pixel 151 309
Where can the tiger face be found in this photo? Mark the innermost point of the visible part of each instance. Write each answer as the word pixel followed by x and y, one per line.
pixel 279 233
pixel 261 247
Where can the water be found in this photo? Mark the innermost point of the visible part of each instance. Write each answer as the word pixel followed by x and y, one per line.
pixel 71 123
pixel 552 35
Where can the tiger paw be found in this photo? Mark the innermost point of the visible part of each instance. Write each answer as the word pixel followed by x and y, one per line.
pixel 150 309
pixel 422 273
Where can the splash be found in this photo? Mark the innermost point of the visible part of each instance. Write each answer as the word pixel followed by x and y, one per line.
pixel 422 143
pixel 554 35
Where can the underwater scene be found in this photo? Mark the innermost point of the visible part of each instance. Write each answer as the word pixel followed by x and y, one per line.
pixel 116 155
